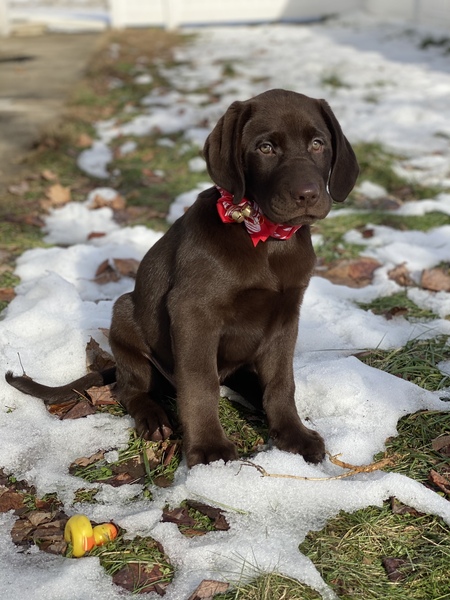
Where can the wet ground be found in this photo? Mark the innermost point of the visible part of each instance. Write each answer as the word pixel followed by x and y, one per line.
pixel 36 76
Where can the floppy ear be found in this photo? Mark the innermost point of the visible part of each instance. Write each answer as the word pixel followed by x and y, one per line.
pixel 223 151
pixel 345 169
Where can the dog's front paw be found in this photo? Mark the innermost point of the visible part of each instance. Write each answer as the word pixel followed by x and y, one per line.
pixel 301 440
pixel 152 424
pixel 209 452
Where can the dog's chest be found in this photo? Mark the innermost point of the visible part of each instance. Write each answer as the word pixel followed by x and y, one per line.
pixel 255 318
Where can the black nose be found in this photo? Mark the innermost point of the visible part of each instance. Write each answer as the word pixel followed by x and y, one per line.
pixel 306 194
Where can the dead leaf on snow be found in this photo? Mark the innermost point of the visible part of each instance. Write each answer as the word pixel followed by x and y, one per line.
pixel 20 531
pixel 10 500
pixel 58 194
pixel 401 275
pixel 106 273
pixel 103 395
pixel 439 481
pixel 179 516
pixel 7 294
pixel 98 359
pixel 208 589
pixel 116 203
pixel 82 408
pixel 436 280
pixel 127 267
pixel 38 517
pixel 354 273
pixel 96 234
pixel 111 271
pixel 59 410
pixel 87 460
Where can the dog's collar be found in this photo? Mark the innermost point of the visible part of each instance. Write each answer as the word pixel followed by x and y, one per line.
pixel 258 226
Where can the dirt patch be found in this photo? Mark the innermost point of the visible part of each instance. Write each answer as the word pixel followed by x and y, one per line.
pixel 37 74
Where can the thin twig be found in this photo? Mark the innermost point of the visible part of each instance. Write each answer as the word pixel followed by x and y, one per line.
pixel 354 470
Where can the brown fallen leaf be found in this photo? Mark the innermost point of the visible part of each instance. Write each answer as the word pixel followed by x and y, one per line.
pixel 121 479
pixel 116 269
pixel 102 396
pixel 368 233
pixel 84 141
pixel 354 273
pixel 45 530
pixel 208 589
pixel 21 531
pixel 98 359
pixel 82 408
pixel 38 517
pixel 59 410
pixel 393 566
pixel 106 273
pixel 95 234
pixel 215 514
pixel 141 579
pixel 85 461
pixel 7 294
pixel 48 175
pixel 441 444
pixel 58 194
pixel 116 203
pixel 398 508
pixel 127 267
pixel 179 516
pixel 436 280
pixel 134 468
pixel 401 275
pixel 439 481
pixel 10 500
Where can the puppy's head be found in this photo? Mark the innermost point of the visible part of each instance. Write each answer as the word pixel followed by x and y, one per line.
pixel 286 152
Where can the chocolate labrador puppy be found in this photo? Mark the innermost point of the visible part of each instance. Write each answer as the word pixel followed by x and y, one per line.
pixel 217 298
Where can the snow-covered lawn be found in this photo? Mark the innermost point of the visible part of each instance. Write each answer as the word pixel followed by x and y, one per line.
pixel 385 88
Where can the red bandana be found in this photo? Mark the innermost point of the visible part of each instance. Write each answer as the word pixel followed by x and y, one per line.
pixel 257 224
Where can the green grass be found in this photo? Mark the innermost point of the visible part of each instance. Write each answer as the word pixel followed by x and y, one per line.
pixel 349 552
pixel 398 304
pixel 412 450
pixel 333 247
pixel 143 552
pixel 135 460
pixel 415 362
pixel 350 549
pixel 377 165
pixel 270 587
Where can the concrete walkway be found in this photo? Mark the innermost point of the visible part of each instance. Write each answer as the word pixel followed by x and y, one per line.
pixel 36 76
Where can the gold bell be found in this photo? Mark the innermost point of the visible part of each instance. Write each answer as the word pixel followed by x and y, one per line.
pixel 247 211
pixel 239 215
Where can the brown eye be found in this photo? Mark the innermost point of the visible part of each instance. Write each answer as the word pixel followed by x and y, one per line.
pixel 266 148
pixel 317 145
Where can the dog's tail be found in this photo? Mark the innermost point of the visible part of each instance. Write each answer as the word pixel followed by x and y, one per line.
pixel 63 393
